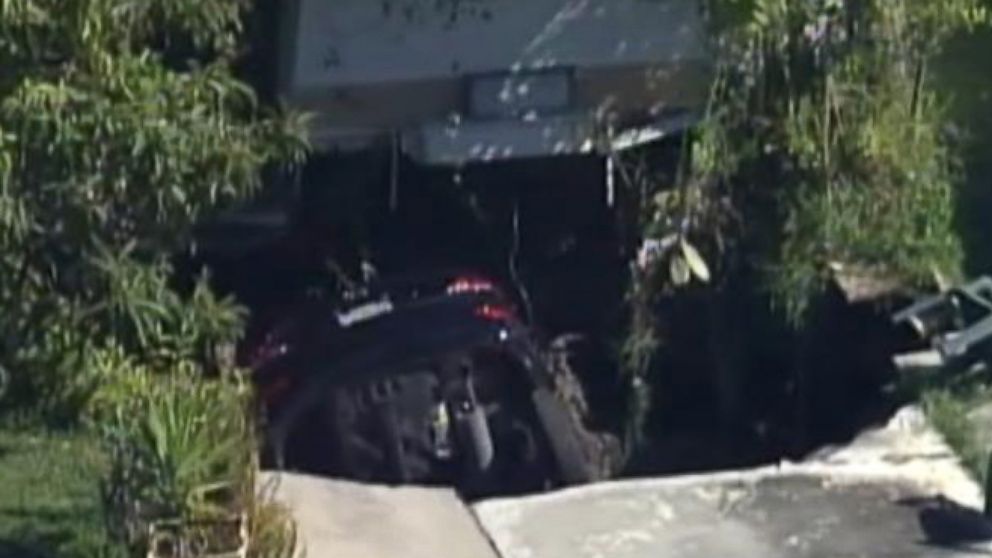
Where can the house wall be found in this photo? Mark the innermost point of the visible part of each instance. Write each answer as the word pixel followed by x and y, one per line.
pixel 373 65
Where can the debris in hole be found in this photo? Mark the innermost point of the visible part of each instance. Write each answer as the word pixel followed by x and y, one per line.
pixel 957 323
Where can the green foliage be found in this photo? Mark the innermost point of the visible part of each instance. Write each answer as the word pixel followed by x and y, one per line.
pixel 886 201
pixel 138 319
pixel 58 373
pixel 121 125
pixel 949 413
pixel 959 73
pixel 182 460
pixel 145 313
pixel 824 143
pixel 637 353
pixel 82 30
pixel 170 439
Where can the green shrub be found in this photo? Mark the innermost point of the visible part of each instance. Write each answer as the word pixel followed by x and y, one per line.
pixel 181 452
pixel 171 440
pixel 114 142
pixel 136 318
pixel 57 375
pixel 122 125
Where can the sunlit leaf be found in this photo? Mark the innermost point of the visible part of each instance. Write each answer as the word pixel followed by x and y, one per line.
pixel 694 261
pixel 679 271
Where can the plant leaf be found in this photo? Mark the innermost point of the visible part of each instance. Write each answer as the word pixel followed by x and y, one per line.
pixel 681 274
pixel 695 262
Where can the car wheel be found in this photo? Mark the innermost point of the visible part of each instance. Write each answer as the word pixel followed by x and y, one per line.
pixel 522 459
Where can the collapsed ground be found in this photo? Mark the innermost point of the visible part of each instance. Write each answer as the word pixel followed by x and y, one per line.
pixel 725 390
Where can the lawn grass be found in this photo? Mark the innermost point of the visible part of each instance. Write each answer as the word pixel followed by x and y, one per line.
pixel 949 414
pixel 49 496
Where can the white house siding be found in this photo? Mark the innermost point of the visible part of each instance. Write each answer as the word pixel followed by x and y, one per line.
pixel 370 66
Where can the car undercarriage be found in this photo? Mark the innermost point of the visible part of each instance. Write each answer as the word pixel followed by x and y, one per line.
pixel 427 385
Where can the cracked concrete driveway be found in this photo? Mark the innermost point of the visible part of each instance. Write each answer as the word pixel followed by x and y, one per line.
pixel 895 492
pixel 793 516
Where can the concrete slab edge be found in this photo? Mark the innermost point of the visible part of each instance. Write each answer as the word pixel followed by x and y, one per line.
pixel 910 451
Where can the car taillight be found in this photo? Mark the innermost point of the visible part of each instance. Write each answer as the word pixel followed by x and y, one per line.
pixel 494 312
pixel 268 352
pixel 463 285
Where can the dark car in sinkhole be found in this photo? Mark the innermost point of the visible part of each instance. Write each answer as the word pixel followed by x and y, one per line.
pixel 425 379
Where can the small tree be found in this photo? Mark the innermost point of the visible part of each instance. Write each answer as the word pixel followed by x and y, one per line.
pixel 121 124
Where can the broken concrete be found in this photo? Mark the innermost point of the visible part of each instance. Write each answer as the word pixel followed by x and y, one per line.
pixel 897 491
pixel 906 448
pixel 794 516
pixel 340 519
